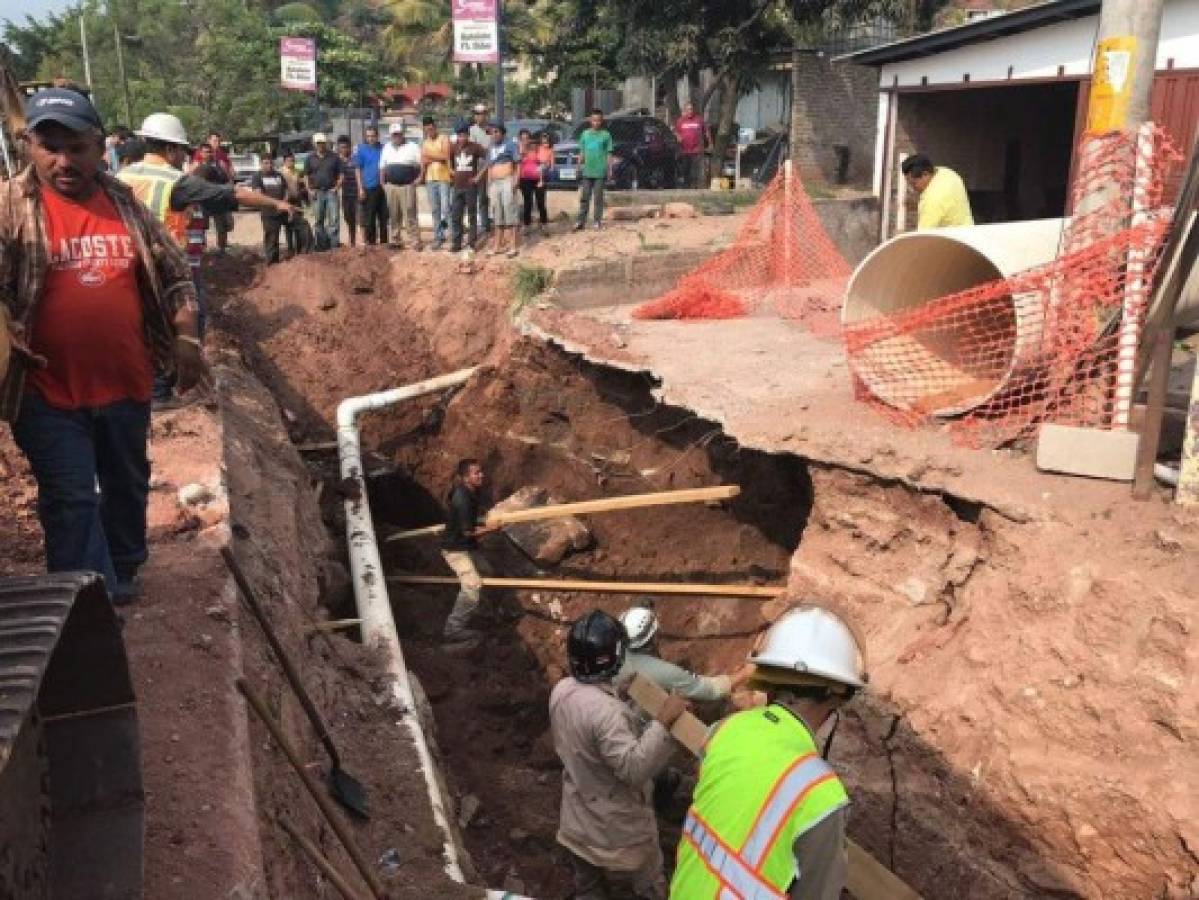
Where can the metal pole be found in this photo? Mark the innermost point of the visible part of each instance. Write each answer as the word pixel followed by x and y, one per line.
pixel 499 60
pixel 87 59
pixel 116 35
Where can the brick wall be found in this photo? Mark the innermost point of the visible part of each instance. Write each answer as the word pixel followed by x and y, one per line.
pixel 836 105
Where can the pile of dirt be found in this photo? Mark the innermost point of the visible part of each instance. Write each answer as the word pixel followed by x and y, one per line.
pixel 20 534
pixel 321 328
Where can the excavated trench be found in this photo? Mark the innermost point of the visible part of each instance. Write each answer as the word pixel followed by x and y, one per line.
pixel 970 761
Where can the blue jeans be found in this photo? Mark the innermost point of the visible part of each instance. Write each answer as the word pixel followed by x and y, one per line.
pixel 93 481
pixel 588 188
pixel 439 204
pixel 326 212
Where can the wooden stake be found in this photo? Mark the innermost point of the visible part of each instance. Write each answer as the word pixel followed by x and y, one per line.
pixel 334 625
pixel 659 588
pixel 587 507
pixel 868 878
pixel 319 860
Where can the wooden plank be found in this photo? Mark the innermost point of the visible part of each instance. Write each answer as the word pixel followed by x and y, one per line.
pixel 868 878
pixel 588 507
pixel 1188 475
pixel 658 588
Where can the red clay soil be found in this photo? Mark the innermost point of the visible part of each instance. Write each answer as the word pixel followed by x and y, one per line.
pixel 320 328
pixel 1030 725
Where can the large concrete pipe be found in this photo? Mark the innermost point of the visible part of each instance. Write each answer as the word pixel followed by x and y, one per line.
pixel 938 369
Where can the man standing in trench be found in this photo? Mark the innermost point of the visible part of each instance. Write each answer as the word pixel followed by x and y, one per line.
pixel 459 546
pixel 609 761
pixel 98 295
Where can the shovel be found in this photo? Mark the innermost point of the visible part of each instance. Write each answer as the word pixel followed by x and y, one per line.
pixel 345 788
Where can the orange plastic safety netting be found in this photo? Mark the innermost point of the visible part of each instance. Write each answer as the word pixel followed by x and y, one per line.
pixel 781 261
pixel 1056 343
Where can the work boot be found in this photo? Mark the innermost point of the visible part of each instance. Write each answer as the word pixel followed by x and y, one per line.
pixel 580 226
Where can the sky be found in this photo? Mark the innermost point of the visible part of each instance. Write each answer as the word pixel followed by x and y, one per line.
pixel 36 8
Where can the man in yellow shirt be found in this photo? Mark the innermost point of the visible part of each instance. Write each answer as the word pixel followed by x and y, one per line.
pixel 943 200
pixel 435 156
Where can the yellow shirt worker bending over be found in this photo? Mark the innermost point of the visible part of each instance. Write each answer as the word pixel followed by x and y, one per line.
pixel 943 200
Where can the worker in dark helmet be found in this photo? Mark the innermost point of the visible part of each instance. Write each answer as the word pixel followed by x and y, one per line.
pixel 609 762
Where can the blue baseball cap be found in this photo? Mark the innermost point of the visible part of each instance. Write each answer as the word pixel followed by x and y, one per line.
pixel 66 107
pixel 460 127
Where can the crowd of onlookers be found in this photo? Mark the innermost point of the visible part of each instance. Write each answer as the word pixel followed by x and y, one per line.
pixel 485 189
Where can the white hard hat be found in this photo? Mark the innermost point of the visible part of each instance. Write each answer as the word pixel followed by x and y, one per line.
pixel 641 625
pixel 811 641
pixel 163 127
pixel 320 138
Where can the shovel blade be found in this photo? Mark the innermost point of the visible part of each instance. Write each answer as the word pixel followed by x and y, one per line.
pixel 349 792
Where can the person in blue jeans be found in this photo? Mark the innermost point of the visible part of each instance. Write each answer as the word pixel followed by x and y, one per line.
pixel 96 297
pixel 595 149
pixel 435 173
pixel 323 174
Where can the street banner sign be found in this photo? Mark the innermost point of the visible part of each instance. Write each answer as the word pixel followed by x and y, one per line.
pixel 476 33
pixel 297 59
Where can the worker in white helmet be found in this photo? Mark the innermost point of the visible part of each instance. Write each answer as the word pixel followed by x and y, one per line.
pixel 181 202
pixel 641 625
pixel 768 815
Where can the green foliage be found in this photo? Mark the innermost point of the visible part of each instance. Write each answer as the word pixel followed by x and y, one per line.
pixel 214 64
pixel 528 283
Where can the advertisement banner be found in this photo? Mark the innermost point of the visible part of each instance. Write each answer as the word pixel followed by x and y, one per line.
pixel 297 60
pixel 476 34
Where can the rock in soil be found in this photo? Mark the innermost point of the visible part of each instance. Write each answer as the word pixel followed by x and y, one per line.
pixel 548 541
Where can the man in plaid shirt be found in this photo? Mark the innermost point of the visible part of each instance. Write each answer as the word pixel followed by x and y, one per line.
pixel 98 298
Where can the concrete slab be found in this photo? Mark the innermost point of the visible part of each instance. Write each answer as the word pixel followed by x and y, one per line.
pixel 1087 451
pixel 775 387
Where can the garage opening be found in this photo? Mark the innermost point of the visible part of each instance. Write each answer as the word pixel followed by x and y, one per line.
pixel 1011 145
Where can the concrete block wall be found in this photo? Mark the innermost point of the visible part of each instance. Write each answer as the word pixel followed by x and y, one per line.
pixel 836 104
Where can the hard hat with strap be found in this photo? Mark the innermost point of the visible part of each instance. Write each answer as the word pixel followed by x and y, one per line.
pixel 762 785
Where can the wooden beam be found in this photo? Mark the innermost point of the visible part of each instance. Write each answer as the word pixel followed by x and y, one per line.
pixel 659 588
pixel 588 507
pixel 868 878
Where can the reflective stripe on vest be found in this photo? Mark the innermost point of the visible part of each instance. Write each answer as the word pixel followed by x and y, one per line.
pixel 762 785
pixel 735 874
pixel 805 774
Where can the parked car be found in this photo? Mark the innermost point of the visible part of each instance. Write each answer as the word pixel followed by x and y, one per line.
pixel 244 166
pixel 538 126
pixel 645 154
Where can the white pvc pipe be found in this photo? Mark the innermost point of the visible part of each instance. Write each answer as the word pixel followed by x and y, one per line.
pixel 939 370
pixel 370 586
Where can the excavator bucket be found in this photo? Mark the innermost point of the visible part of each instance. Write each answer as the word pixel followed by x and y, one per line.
pixel 71 799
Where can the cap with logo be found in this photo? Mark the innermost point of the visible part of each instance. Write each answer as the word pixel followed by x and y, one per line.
pixel 66 107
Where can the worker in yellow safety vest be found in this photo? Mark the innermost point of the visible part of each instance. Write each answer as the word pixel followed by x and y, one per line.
pixel 181 202
pixel 768 816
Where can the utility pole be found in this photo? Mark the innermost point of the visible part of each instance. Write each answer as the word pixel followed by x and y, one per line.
pixel 1121 76
pixel 499 60
pixel 116 35
pixel 1126 27
pixel 87 59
